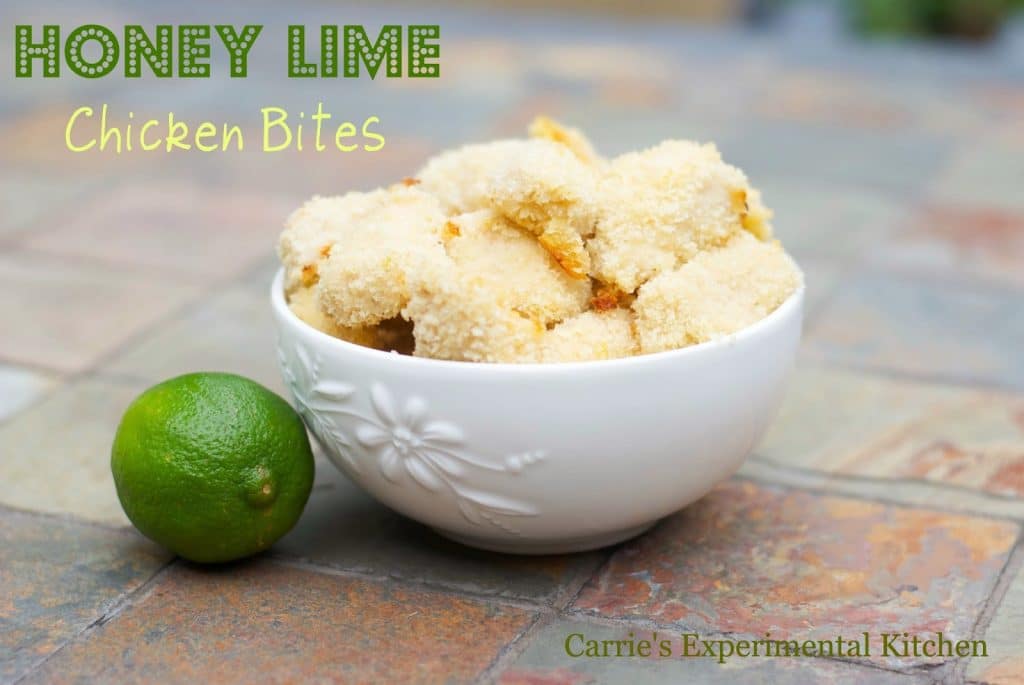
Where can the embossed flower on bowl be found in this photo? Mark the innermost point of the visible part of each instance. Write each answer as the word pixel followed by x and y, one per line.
pixel 401 439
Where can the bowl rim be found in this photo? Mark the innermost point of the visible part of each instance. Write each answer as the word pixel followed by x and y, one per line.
pixel 792 306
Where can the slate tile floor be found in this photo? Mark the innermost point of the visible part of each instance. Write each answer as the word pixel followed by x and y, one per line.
pixel 889 494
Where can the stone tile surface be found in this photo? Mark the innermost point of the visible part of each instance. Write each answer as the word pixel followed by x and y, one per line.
pixel 232 331
pixel 616 128
pixel 35 135
pixel 185 228
pixel 57 578
pixel 976 442
pixel 821 279
pixel 58 452
pixel 895 174
pixel 344 528
pixel 984 244
pixel 891 161
pixel 20 387
pixel 1005 663
pixel 923 326
pixel 823 97
pixel 64 314
pixel 818 219
pixel 861 409
pixel 271 623
pixel 752 559
pixel 30 199
pixel 981 172
pixel 546 662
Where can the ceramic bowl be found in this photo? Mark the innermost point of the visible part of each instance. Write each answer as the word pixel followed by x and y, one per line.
pixel 539 458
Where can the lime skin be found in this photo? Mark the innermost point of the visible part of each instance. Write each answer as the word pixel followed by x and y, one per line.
pixel 212 466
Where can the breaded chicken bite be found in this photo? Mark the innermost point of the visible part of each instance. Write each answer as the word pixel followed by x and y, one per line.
pixel 548 129
pixel 539 250
pixel 458 177
pixel 312 230
pixel 366 277
pixel 458 317
pixel 716 293
pixel 544 188
pixel 660 207
pixel 303 302
pixel 513 268
pixel 589 336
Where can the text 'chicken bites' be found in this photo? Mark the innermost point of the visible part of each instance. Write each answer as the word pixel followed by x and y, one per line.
pixel 540 250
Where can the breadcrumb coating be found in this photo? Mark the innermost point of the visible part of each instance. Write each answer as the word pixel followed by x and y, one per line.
pixel 313 229
pixel 590 335
pixel 660 207
pixel 716 293
pixel 512 267
pixel 458 178
pixel 458 318
pixel 303 302
pixel 547 190
pixel 367 275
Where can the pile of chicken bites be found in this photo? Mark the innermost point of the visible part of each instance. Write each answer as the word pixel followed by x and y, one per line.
pixel 540 250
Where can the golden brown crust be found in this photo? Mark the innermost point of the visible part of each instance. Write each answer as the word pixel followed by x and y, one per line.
pixel 568 251
pixel 451 230
pixel 310 275
pixel 546 128
pixel 606 297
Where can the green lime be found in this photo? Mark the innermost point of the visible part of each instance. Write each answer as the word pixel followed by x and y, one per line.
pixel 211 465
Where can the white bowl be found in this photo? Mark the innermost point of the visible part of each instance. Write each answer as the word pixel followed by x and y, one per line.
pixel 539 458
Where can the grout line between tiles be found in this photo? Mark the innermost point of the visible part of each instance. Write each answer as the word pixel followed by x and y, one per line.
pixel 811 355
pixel 948 488
pixel 13 240
pixel 34 367
pixel 413 583
pixel 119 605
pixel 574 587
pixel 66 518
pixel 1007 575
pixel 514 648
pixel 926 495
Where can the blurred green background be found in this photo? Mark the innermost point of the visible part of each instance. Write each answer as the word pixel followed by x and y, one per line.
pixel 958 19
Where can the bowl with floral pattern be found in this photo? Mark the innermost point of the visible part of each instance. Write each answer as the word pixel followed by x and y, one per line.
pixel 539 458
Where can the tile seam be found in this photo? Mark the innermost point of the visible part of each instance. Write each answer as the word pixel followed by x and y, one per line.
pixel 514 648
pixel 817 482
pixel 520 603
pixel 125 600
pixel 1007 575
